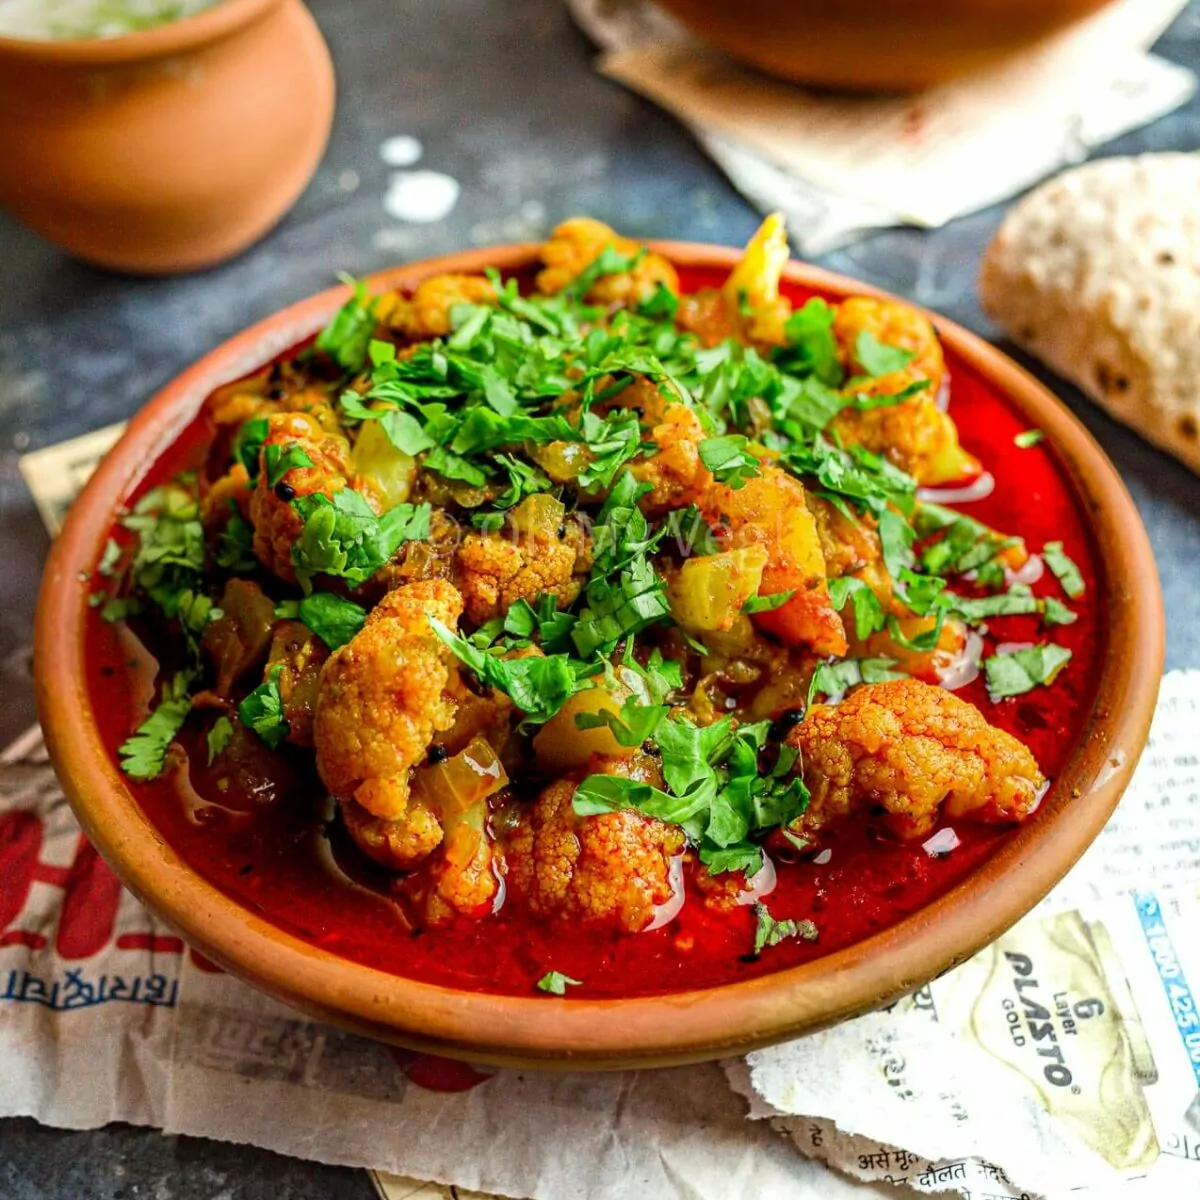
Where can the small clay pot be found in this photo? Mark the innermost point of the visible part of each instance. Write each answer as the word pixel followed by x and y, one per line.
pixel 166 150
pixel 536 1030
pixel 876 45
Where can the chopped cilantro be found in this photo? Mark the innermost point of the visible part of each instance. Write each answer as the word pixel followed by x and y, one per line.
pixel 279 460
pixel 1020 671
pixel 607 262
pixel 1030 437
pixel 343 537
pixel 758 604
pixel 539 687
pixel 635 724
pixel 119 608
pixel 556 983
pixel 347 336
pixel 1015 601
pixel 262 709
pixel 729 460
pixel 868 612
pixel 144 755
pixel 107 565
pixel 1055 612
pixel 770 932
pixel 813 347
pixel 1067 573
pixel 664 303
pixel 218 738
pixel 235 545
pixel 332 618
pixel 248 443
pixel 833 679
pixel 877 358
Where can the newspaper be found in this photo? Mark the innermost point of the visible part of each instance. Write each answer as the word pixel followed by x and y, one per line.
pixel 105 1015
pixel 841 165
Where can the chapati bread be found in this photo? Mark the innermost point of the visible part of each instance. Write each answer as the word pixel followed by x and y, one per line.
pixel 1097 273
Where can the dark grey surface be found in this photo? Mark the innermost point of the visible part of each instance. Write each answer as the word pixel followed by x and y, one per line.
pixel 503 98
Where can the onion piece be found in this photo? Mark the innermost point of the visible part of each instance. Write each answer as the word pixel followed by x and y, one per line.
pixel 668 910
pixel 964 667
pixel 941 842
pixel 760 884
pixel 821 859
pixel 1029 574
pixel 942 399
pixel 980 489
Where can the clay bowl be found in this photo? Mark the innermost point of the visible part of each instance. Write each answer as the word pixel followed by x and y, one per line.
pixel 538 1030
pixel 170 149
pixel 876 45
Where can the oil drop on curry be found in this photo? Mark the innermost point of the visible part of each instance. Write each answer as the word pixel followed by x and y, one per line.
pixel 598 632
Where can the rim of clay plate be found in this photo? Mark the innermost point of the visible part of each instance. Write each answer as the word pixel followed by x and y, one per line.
pixel 644 1031
pixel 175 37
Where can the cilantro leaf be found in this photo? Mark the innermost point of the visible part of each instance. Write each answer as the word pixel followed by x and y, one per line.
pixel 248 443
pixel 1015 601
pixel 770 932
pixel 1030 437
pixel 279 460
pixel 809 331
pixel 107 565
pixel 333 619
pixel 729 460
pixel 770 603
pixel 539 687
pixel 234 550
pixel 343 537
pixel 1020 671
pixel 634 725
pixel 1065 570
pixel 608 262
pixel 877 358
pixel 664 303
pixel 833 679
pixel 144 755
pixel 868 612
pixel 1055 612
pixel 556 983
pixel 218 737
pixel 262 709
pixel 347 336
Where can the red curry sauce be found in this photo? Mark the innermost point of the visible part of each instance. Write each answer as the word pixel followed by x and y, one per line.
pixel 276 848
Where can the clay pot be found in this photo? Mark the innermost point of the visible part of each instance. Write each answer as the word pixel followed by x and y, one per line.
pixel 171 149
pixel 643 1030
pixel 877 45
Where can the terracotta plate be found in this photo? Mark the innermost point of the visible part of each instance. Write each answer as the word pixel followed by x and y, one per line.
pixel 539 1030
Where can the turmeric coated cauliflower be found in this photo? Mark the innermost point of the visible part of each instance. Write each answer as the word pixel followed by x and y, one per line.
pixel 614 868
pixel 426 313
pixel 915 751
pixel 540 550
pixel 674 472
pixel 770 510
pixel 914 434
pixel 576 244
pixel 383 695
pixel 276 523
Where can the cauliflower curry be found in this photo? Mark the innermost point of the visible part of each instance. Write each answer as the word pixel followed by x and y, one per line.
pixel 596 630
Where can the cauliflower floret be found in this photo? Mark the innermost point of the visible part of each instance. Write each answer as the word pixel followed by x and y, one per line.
pixel 541 550
pixel 613 868
pixel 277 524
pixel 770 510
pixel 675 473
pixel 754 284
pixel 916 751
pixel 915 434
pixel 383 696
pixel 426 314
pixel 396 845
pixel 577 243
